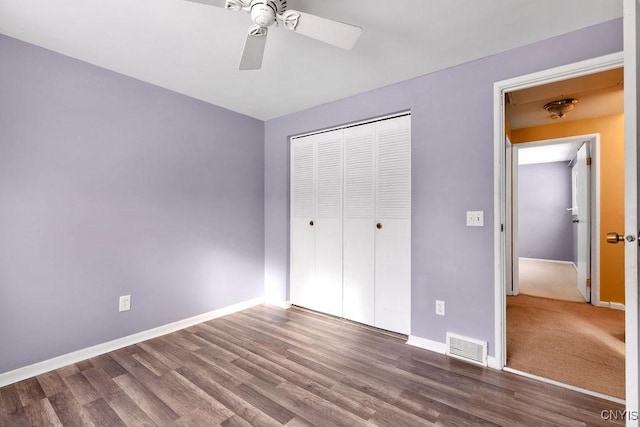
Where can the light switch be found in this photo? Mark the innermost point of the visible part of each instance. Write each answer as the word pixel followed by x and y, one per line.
pixel 475 218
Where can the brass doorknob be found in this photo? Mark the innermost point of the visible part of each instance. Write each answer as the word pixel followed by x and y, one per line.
pixel 614 238
pixel 379 225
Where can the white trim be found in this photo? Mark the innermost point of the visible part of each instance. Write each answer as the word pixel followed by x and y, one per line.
pixel 603 63
pixel 555 261
pixel 593 139
pixel 511 216
pixel 512 269
pixel 567 386
pixel 573 264
pixel 613 305
pixel 499 224
pixel 631 31
pixel 435 346
pixel 349 125
pixel 569 71
pixel 280 304
pixel 96 350
pixel 596 219
pixel 492 362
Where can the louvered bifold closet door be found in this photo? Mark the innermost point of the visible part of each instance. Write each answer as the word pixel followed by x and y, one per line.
pixel 328 224
pixel 393 225
pixel 302 233
pixel 359 221
pixel 316 222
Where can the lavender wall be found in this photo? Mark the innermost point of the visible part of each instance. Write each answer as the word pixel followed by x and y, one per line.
pixel 110 186
pixel 452 158
pixel 545 230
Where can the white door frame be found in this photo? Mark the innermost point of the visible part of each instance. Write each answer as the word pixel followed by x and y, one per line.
pixel 574 70
pixel 632 339
pixel 594 189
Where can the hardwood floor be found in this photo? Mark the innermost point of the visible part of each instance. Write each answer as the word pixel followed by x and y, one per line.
pixel 267 366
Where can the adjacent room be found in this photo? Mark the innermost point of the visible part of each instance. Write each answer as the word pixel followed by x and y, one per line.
pixel 207 219
pixel 565 310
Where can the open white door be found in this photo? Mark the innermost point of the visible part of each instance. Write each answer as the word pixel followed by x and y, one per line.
pixel 631 110
pixel 581 215
pixel 511 265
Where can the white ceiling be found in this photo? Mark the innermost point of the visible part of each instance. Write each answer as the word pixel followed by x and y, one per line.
pixel 194 49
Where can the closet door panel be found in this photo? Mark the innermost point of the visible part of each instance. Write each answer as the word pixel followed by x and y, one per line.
pixel 393 225
pixel 393 277
pixel 351 223
pixel 359 202
pixel 328 223
pixel 302 233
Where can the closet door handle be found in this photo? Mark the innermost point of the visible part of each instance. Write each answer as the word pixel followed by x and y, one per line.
pixel 379 225
pixel 311 223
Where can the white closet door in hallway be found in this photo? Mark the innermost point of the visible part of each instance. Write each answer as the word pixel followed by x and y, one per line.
pixel 316 222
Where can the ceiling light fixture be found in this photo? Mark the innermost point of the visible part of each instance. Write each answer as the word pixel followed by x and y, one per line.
pixel 558 109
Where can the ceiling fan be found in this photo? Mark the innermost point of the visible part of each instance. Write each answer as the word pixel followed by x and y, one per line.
pixel 265 13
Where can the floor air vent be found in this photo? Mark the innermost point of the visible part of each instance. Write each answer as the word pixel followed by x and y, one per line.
pixel 468 349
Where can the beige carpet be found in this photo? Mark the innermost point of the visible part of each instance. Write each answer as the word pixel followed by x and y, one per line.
pixel 548 279
pixel 574 343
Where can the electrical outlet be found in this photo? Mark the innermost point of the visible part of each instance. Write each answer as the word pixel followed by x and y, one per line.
pixel 440 308
pixel 475 218
pixel 125 303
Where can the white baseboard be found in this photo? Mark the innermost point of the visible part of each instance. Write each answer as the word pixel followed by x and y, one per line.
pixel 493 363
pixel 435 346
pixel 96 350
pixel 548 260
pixel 614 305
pixel 280 304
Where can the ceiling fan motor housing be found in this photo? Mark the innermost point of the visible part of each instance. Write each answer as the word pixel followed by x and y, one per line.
pixel 263 12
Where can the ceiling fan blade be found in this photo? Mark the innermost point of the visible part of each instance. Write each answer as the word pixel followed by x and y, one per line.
pixel 254 48
pixel 217 3
pixel 332 32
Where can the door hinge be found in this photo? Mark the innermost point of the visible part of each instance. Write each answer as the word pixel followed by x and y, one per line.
pixel 502 228
pixel 588 161
pixel 588 283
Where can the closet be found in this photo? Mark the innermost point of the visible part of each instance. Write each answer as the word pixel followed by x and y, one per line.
pixel 351 223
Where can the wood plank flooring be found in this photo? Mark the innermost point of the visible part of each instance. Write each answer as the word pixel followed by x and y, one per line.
pixel 266 366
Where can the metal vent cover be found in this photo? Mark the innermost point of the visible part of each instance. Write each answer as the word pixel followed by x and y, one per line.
pixel 468 349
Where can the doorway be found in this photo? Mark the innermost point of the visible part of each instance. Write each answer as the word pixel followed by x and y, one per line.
pixel 507 269
pixel 555 205
pixel 555 326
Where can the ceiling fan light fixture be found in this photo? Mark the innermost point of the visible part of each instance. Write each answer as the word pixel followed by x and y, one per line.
pixel 263 14
pixel 559 108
